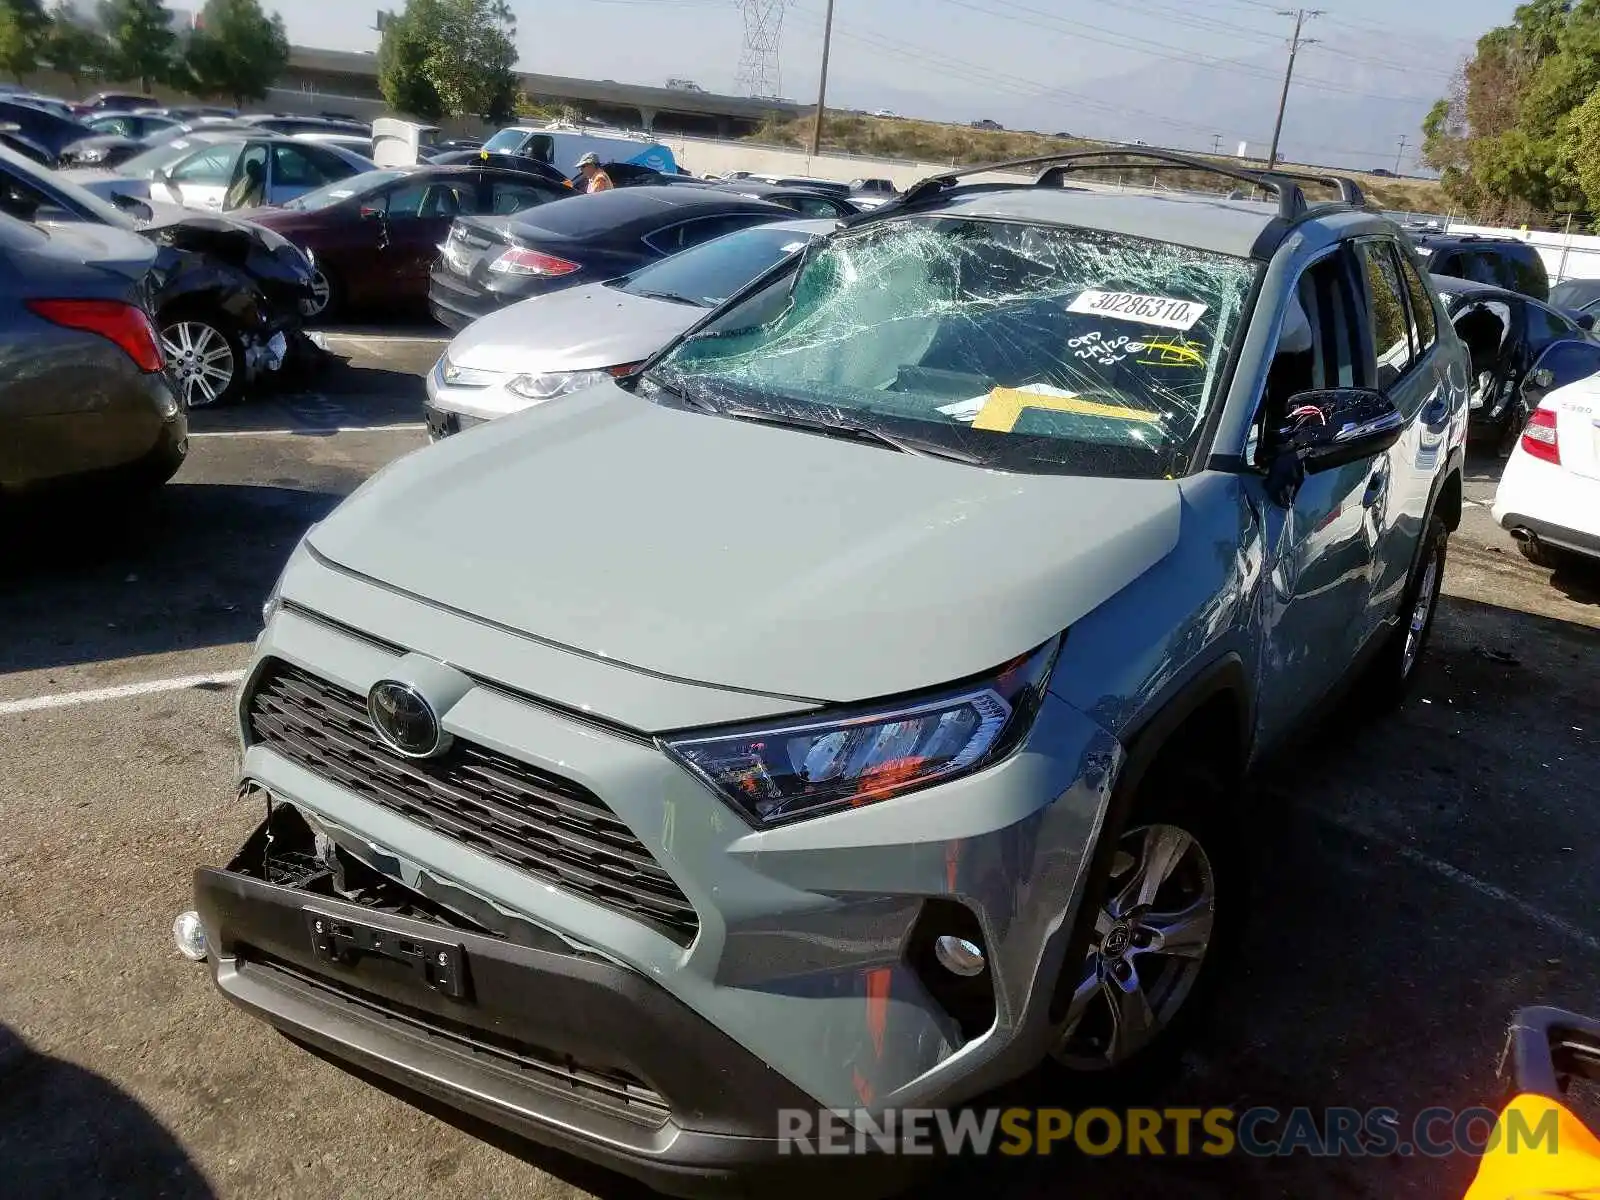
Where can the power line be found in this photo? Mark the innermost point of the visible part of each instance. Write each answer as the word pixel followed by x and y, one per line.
pixel 1011 84
pixel 1145 46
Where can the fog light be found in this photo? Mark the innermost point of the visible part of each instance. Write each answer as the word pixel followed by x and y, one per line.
pixel 958 956
pixel 190 936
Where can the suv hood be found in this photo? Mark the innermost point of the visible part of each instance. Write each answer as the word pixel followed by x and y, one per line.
pixel 746 556
pixel 574 330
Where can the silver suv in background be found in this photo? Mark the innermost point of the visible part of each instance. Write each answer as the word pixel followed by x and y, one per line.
pixel 849 708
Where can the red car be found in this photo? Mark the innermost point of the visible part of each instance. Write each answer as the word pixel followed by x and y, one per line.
pixel 373 237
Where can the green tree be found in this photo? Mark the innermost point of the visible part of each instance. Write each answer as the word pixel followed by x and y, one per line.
pixel 237 51
pixel 1503 139
pixel 403 55
pixel 72 48
pixel 23 26
pixel 1583 144
pixel 143 45
pixel 451 58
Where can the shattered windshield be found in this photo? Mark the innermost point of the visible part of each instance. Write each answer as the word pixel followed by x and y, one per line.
pixel 1023 347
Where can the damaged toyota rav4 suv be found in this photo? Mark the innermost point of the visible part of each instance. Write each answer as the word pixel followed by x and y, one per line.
pixel 848 709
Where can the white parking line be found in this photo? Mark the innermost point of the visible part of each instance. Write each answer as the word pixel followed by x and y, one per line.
pixel 399 339
pixel 122 692
pixel 1488 891
pixel 406 427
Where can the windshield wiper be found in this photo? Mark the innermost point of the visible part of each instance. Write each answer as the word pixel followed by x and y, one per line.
pixel 686 398
pixel 854 433
pixel 672 297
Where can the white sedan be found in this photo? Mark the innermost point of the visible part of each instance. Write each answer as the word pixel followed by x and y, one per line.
pixel 547 346
pixel 1549 495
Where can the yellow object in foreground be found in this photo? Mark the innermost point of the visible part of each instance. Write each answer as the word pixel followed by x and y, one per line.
pixel 1572 1170
pixel 1005 406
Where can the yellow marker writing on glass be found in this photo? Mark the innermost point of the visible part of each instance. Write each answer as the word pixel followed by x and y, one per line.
pixel 1005 407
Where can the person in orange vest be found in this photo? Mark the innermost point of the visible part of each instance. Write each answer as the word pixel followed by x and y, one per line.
pixel 594 177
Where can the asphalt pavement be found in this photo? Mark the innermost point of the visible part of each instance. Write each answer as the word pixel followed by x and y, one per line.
pixel 1417 876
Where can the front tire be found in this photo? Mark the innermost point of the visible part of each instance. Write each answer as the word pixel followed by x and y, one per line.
pixel 1167 919
pixel 205 358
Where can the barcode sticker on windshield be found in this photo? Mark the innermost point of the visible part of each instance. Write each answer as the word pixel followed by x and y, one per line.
pixel 1147 310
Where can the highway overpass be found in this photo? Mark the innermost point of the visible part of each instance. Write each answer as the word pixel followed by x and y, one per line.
pixel 338 77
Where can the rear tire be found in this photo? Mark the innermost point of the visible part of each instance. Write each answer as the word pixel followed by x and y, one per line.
pixel 1393 670
pixel 1161 941
pixel 330 298
pixel 204 357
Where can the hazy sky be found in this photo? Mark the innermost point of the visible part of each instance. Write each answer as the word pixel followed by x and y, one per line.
pixel 954 59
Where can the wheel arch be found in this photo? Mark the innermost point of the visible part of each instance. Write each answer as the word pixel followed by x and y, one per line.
pixel 1211 714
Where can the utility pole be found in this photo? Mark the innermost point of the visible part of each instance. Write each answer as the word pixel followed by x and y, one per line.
pixel 822 84
pixel 1400 153
pixel 1299 15
pixel 1216 143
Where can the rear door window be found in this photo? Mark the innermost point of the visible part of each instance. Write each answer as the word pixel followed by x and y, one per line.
pixel 1424 323
pixel 1569 362
pixel 1391 328
pixel 1527 270
pixel 292 167
pixel 514 197
pixel 1546 326
pixel 702 229
pixel 211 167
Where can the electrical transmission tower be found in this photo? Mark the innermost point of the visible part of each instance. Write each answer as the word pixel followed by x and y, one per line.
pixel 759 74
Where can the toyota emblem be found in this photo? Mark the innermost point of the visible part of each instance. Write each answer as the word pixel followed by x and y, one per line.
pixel 405 720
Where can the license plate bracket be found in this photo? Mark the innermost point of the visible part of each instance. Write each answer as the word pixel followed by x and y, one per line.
pixel 439 965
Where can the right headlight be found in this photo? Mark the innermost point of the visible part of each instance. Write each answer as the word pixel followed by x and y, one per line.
pixel 776 773
pixel 548 385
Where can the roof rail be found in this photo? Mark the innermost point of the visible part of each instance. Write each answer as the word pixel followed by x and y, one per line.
pixel 1349 192
pixel 1291 200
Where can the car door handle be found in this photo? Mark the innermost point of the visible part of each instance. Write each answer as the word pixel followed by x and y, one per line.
pixel 1437 410
pixel 1374 488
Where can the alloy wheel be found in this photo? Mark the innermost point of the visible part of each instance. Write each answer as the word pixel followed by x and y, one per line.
pixel 1417 630
pixel 1149 945
pixel 201 361
pixel 321 293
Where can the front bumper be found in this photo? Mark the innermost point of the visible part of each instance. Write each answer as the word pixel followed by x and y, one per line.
pixel 583 1068
pixel 459 408
pixel 803 951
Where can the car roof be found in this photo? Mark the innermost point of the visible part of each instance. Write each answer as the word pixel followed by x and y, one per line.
pixel 593 212
pixel 1223 226
pixel 1434 237
pixel 1452 285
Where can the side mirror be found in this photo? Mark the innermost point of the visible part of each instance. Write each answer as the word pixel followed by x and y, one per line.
pixel 1328 429
pixel 1585 321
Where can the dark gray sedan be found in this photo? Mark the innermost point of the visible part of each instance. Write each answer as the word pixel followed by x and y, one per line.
pixel 84 394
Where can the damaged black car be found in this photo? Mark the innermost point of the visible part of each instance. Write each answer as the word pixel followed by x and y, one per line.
pixel 229 293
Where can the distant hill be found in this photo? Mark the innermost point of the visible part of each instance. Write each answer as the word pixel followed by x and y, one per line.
pixel 1355 132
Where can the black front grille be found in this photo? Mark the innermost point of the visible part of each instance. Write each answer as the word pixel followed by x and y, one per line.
pixel 550 827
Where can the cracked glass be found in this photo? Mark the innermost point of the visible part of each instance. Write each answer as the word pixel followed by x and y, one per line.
pixel 1031 348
